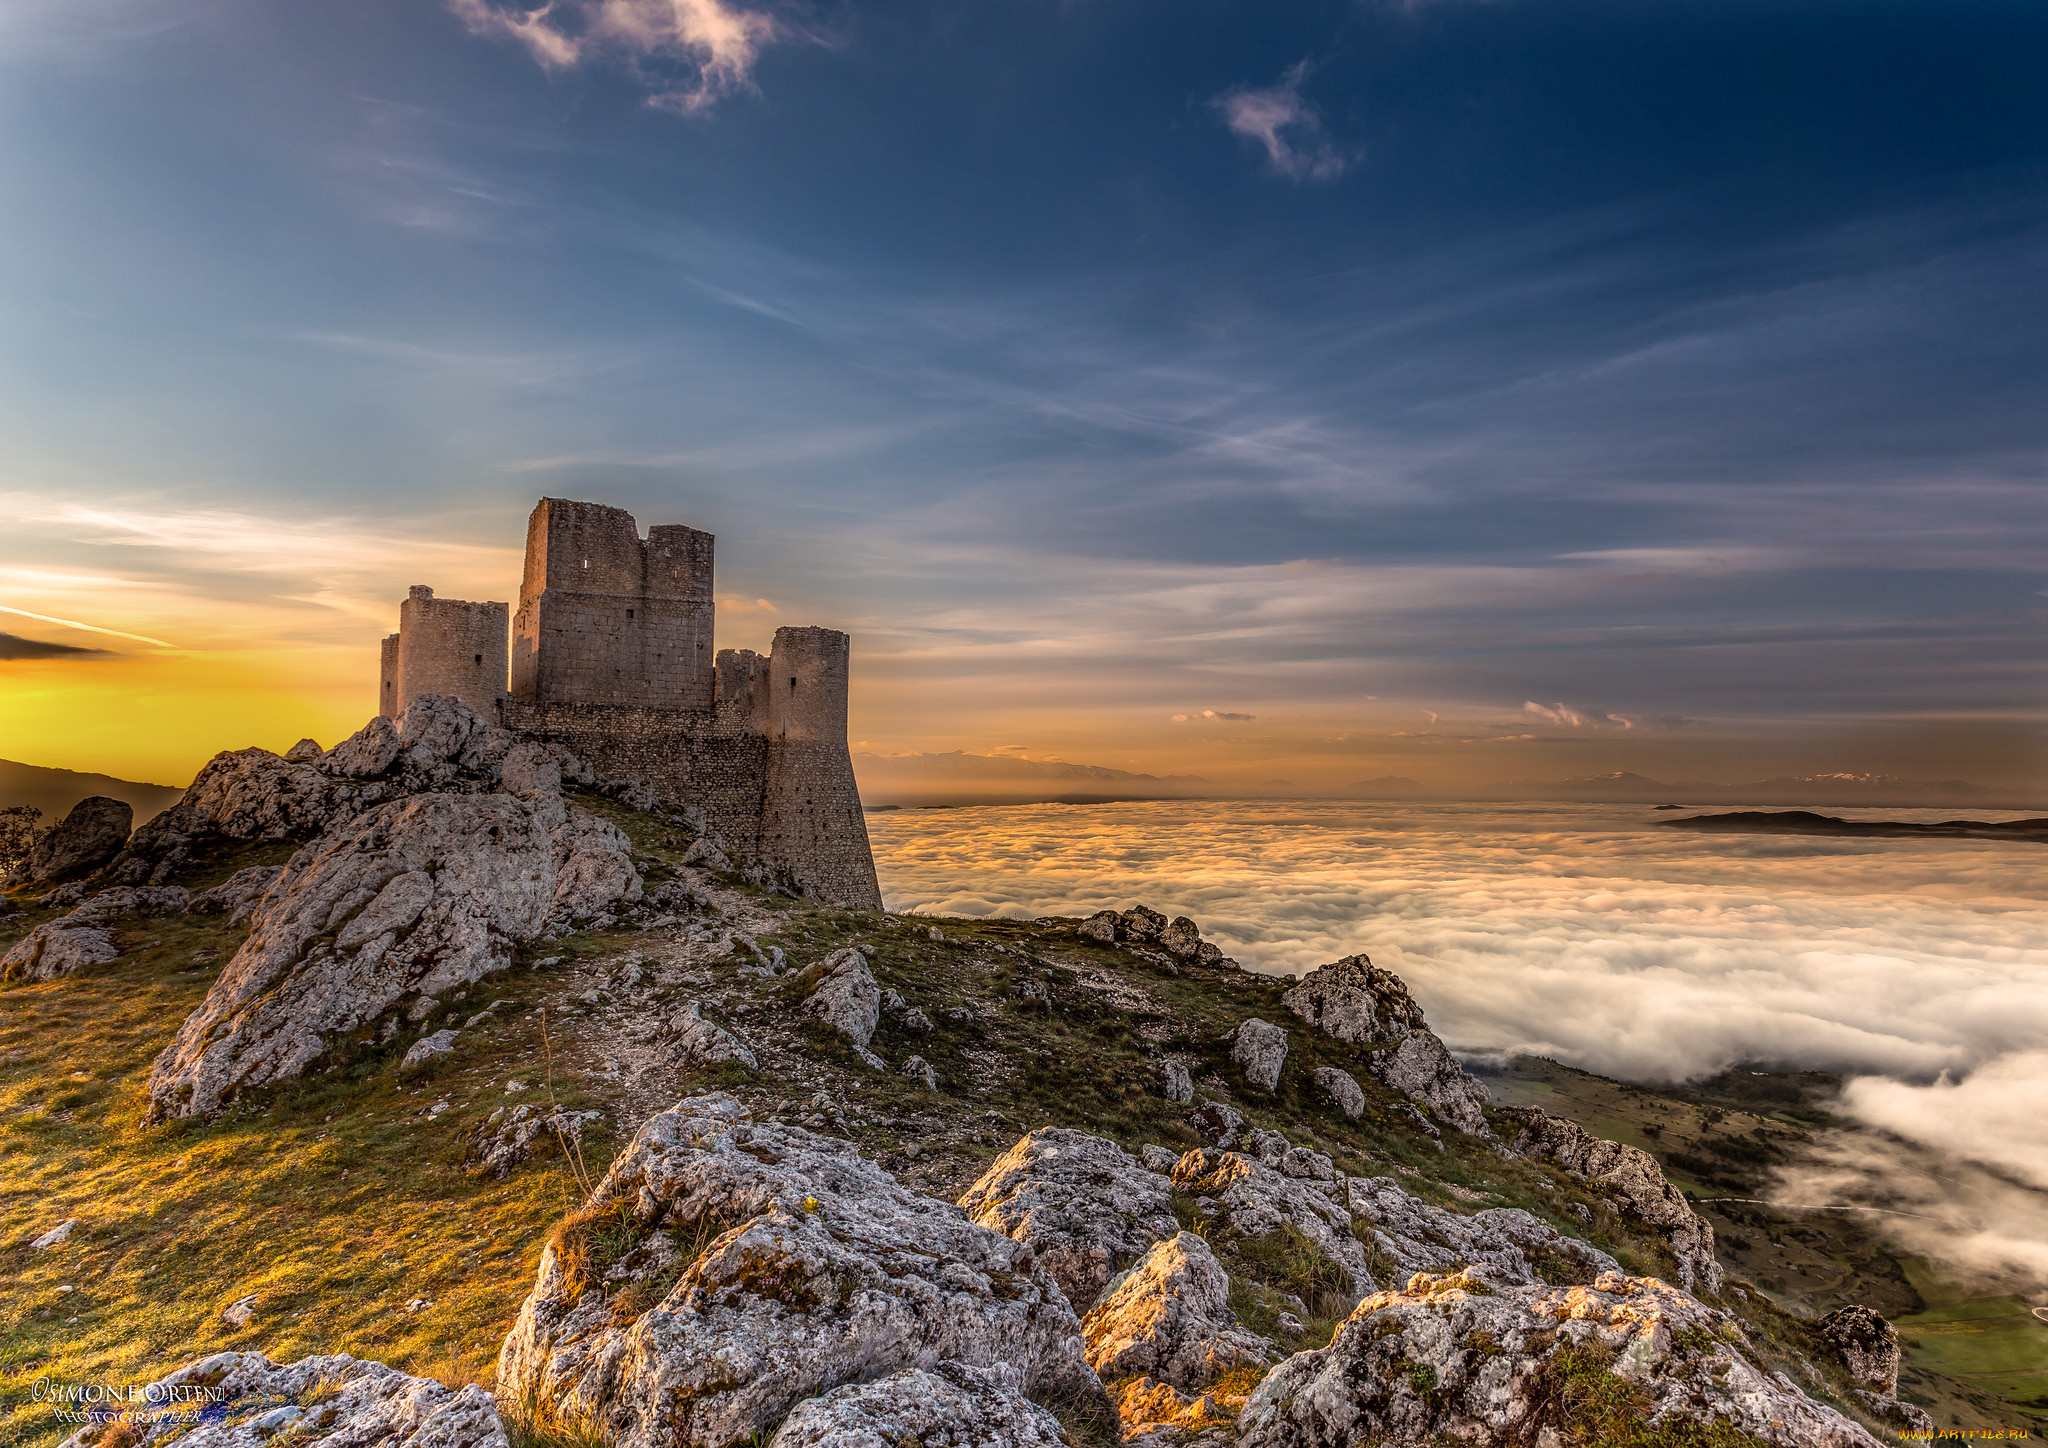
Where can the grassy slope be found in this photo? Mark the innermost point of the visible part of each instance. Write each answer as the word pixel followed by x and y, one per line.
pixel 338 1201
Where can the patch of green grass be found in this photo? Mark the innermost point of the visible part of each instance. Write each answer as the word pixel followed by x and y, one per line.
pixel 1591 1407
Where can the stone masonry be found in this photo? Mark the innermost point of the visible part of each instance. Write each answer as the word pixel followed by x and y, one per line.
pixel 612 655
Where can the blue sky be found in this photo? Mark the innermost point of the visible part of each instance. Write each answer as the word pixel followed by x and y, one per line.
pixel 1468 388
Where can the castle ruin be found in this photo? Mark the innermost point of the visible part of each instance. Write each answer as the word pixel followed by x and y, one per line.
pixel 611 654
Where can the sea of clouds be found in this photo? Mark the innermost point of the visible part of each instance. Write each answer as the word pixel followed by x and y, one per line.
pixel 1598 937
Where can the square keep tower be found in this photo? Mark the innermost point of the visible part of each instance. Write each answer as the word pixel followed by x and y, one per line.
pixel 607 617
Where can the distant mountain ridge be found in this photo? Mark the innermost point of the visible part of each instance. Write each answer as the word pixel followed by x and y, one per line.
pixel 54 791
pixel 1831 789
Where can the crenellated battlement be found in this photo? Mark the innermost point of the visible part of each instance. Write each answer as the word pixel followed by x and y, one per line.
pixel 612 653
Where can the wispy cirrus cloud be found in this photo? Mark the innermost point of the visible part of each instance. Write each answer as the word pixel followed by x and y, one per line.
pixel 1574 718
pixel 689 53
pixel 1287 124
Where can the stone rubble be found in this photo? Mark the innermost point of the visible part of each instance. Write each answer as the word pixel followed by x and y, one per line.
pixel 1458 1359
pixel 1510 1244
pixel 707 1042
pixel 1085 1206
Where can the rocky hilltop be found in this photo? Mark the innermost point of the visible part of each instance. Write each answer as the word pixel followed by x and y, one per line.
pixel 438 1045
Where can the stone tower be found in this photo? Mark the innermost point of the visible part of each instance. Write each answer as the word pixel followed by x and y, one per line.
pixel 444 646
pixel 606 617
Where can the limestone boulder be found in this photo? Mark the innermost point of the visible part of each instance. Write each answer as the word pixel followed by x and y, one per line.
pixel 1423 1069
pixel 507 1139
pixel 706 1042
pixel 410 900
pixel 130 900
pixel 1867 1345
pixel 1258 1201
pixel 1140 924
pixel 1169 1317
pixel 1634 1181
pixel 1086 1207
pixel 56 948
pixel 768 1266
pixel 1509 1244
pixel 846 997
pixel 90 834
pixel 596 869
pixel 244 1400
pixel 1343 1088
pixel 1180 937
pixel 1101 927
pixel 948 1403
pixel 1221 1124
pixel 1461 1360
pixel 1354 1001
pixel 1277 1152
pixel 1260 1050
pixel 1175 1084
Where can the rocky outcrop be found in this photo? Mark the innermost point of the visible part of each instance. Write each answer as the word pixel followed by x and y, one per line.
pixel 1423 1069
pixel 438 745
pixel 767 1266
pixel 847 998
pixel 1260 1050
pixel 333 1401
pixel 1460 1360
pixel 1258 1201
pixel 1169 1317
pixel 507 1138
pixel 1084 1205
pixel 950 1403
pixel 82 937
pixel 1344 1089
pixel 1354 1001
pixel 56 948
pixel 706 1042
pixel 90 835
pixel 1142 925
pixel 375 920
pixel 1634 1180
pixel 1867 1345
pixel 1508 1243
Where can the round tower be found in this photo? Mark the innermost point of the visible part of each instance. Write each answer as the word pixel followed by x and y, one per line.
pixel 807 671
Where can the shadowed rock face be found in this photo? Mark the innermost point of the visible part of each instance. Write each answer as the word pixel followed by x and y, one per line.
pixel 85 839
pixel 818 1270
pixel 1085 1205
pixel 1459 1360
pixel 1635 1180
pixel 373 1404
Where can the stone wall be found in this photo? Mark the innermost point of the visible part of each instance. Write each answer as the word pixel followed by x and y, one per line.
pixel 443 646
pixel 608 618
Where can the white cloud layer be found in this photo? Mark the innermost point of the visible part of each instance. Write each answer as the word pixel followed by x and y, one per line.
pixel 1283 121
pixel 690 52
pixel 1568 931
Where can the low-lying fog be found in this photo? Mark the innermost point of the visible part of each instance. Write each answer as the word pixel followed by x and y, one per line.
pixel 1591 934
